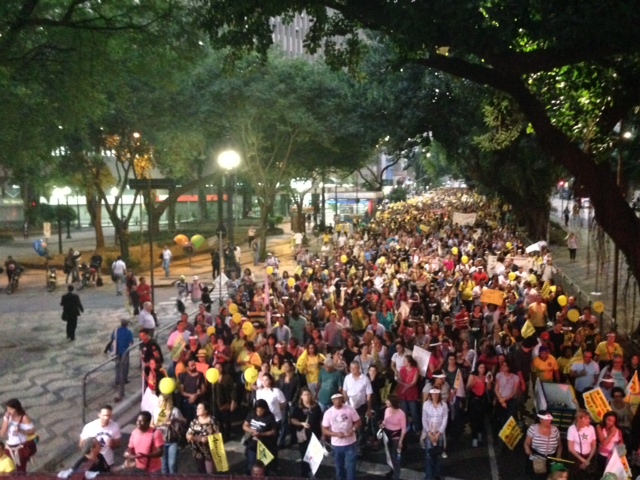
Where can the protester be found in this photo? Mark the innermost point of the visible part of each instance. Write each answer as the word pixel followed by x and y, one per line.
pixel 19 430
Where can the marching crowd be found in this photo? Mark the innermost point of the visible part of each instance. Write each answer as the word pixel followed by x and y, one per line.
pixel 392 332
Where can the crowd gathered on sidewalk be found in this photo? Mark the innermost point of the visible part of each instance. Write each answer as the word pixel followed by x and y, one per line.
pixel 420 329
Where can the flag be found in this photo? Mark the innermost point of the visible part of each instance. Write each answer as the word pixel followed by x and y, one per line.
pixel 618 465
pixel 527 329
pixel 263 454
pixel 634 385
pixel 218 453
pixel 314 454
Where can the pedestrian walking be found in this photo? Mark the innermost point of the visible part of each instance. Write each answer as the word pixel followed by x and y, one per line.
pixel 122 339
pixel 255 249
pixel 565 215
pixel 166 260
pixel 215 263
pixel 572 245
pixel 118 273
pixel 71 310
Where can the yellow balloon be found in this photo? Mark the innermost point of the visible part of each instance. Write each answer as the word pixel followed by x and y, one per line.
pixel 291 282
pixel 269 270
pixel 598 307
pixel 573 315
pixel 509 245
pixel 167 386
pixel 237 318
pixel 212 375
pixel 512 276
pixel 562 300
pixel 310 271
pixel 455 250
pixel 211 331
pixel 247 328
pixel 383 260
pixel 465 259
pixel 233 309
pixel 251 375
pixel 344 259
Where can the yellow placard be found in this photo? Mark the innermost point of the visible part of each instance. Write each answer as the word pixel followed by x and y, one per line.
pixel 527 329
pixel 263 454
pixel 511 433
pixel 216 445
pixel 596 403
pixel 494 297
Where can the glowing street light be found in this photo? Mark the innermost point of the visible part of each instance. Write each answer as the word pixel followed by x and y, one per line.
pixel 229 160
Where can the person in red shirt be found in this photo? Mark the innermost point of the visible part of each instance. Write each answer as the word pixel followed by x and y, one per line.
pixel 146 445
pixel 461 321
pixel 144 291
pixel 479 275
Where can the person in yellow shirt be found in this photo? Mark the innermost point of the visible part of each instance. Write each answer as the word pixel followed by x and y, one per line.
pixel 538 314
pixel 606 350
pixel 6 463
pixel 466 292
pixel 545 366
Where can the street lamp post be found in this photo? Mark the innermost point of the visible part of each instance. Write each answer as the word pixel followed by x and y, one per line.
pixel 57 192
pixel 66 191
pixel 229 161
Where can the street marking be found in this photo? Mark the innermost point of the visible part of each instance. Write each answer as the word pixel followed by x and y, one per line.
pixel 493 462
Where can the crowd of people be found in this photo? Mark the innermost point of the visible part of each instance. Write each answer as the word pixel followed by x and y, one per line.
pixel 384 336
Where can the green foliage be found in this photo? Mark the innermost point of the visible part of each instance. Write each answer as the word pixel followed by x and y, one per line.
pixel 50 213
pixel 398 194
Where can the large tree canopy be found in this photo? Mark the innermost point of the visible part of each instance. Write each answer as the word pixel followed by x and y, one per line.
pixel 513 46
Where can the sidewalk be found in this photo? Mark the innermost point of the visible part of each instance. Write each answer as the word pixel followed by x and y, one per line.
pixel 588 281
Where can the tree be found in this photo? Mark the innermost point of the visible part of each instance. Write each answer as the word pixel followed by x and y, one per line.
pixel 505 45
pixel 284 117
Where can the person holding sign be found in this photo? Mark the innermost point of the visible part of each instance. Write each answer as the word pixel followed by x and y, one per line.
pixel 260 426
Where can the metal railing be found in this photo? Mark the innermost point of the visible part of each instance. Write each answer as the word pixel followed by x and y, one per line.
pixel 112 358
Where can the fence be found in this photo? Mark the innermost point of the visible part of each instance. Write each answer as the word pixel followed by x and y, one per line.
pixel 103 386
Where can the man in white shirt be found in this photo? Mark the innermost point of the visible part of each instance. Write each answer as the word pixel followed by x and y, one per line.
pixel 585 374
pixel 145 318
pixel 119 271
pixel 166 260
pixel 357 389
pixel 106 431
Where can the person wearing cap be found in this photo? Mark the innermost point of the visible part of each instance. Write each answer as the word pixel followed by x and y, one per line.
pixel 439 381
pixel 341 422
pixel 542 441
pixel 202 361
pixel 545 366
pixel 434 424
pixel 581 441
pixel 260 426
pixel 606 350
pixel 122 339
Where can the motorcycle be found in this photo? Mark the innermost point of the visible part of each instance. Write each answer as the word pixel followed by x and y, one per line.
pixel 15 280
pixel 86 276
pixel 52 280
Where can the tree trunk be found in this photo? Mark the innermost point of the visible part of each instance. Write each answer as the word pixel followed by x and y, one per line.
pixel 535 219
pixel 94 207
pixel 265 211
pixel 171 214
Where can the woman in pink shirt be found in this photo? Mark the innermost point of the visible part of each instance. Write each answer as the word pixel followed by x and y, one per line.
pixel 395 427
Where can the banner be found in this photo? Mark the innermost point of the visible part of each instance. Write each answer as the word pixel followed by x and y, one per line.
pixel 314 454
pixel 494 297
pixel 523 261
pixel 510 433
pixel 422 357
pixel 463 219
pixel 263 454
pixel 596 403
pixel 218 453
